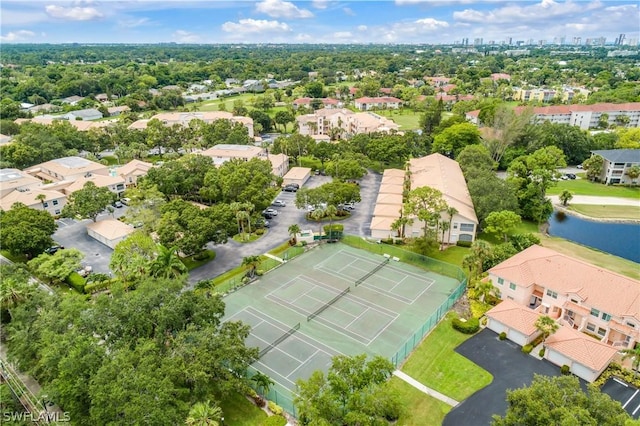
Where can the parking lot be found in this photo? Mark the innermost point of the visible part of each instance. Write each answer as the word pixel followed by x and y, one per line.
pixel 628 396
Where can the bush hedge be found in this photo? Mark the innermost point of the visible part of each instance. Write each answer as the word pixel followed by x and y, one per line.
pixel 275 408
pixel 76 282
pixel 616 370
pixel 97 286
pixel 502 336
pixel 274 421
pixel 541 353
pixel 527 349
pixel 470 326
pixel 463 243
pixel 565 369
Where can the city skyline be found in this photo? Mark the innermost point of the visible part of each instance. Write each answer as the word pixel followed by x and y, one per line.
pixel 320 21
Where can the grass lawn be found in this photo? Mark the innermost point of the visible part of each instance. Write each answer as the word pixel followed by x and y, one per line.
pixel 238 411
pixel 435 364
pixel 525 227
pixel 242 238
pixel 407 119
pixel 586 187
pixel 604 211
pixel 419 408
pixel 192 263
pixel 14 258
pixel 453 255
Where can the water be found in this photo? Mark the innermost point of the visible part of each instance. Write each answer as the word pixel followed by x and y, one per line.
pixel 620 239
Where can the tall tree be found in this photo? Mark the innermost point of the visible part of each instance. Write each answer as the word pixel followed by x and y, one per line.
pixel 132 258
pixel 453 139
pixel 593 167
pixel 502 222
pixel 294 230
pixel 57 267
pixel 204 414
pixel 537 404
pixel 426 204
pixel 547 326
pixel 88 202
pixel 167 264
pixel 565 197
pixel 263 382
pixel 634 354
pixel 26 231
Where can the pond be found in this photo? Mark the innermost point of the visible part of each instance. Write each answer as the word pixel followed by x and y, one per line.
pixel 620 239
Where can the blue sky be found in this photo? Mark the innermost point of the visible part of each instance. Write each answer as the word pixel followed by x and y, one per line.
pixel 317 21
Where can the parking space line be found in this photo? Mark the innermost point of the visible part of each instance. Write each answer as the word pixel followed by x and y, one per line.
pixel 631 399
pixel 615 379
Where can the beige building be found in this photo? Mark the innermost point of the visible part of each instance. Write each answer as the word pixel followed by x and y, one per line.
pixel 577 294
pixel 224 152
pixel 297 175
pixel 343 123
pixel 109 231
pixel 133 170
pixel 14 179
pixel 183 118
pixel 35 198
pixel 382 102
pixel 435 171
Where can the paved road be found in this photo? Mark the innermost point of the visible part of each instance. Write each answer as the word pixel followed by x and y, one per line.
pixel 229 256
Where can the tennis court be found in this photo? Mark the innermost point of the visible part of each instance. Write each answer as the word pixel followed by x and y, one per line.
pixel 334 299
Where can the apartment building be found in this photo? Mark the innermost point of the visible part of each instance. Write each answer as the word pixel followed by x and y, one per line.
pixel 183 118
pixel 343 123
pixel 222 153
pixel 382 102
pixel 617 163
pixel 435 171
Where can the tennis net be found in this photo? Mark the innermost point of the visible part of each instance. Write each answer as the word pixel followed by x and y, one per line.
pixel 373 271
pixel 279 340
pixel 329 303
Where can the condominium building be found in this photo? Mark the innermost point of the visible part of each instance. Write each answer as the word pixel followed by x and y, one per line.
pixel 343 123
pixel 617 163
pixel 183 118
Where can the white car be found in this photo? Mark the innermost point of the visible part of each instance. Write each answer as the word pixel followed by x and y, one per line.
pixel 279 203
pixel 272 212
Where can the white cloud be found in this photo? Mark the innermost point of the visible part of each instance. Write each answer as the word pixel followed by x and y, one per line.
pixel 133 23
pixel 282 9
pixel 75 13
pixel 182 36
pixel 320 4
pixel 348 11
pixel 19 35
pixel 512 13
pixel 431 24
pixel 252 26
pixel 303 38
pixel 362 28
pixel 342 35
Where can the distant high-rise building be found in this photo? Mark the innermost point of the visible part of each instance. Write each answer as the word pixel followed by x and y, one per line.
pixel 491 42
pixel 633 42
pixel 577 41
pixel 478 41
pixel 509 41
pixel 542 42
pixel 620 39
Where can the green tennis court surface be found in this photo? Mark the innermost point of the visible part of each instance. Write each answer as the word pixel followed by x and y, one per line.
pixel 345 300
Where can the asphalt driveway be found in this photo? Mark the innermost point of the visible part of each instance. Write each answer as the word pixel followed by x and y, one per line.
pixel 511 369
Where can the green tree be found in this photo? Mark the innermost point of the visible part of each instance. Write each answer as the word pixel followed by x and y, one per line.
pixel 252 263
pixel 547 326
pixel 633 172
pixel 294 230
pixel 432 115
pixel 453 139
pixel 263 382
pixel 426 204
pixel 634 354
pixel 132 258
pixel 167 264
pixel 593 167
pixel 502 222
pixel 204 414
pixel 628 138
pixel 480 252
pixel 345 169
pixel 57 267
pixel 15 286
pixel 565 197
pixel 283 118
pixel 88 202
pixel 26 231
pixel 506 127
pixel 538 404
pixel 354 391
pixel 314 89
pixel 473 159
pixel 484 289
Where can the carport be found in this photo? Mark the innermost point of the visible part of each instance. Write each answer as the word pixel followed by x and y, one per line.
pixel 109 232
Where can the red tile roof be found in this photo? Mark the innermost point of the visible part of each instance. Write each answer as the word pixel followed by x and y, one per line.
pixel 581 348
pixel 377 100
pixel 515 316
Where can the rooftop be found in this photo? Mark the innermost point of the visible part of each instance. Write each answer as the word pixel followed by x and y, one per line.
pixel 620 155
pixel 515 316
pixel 581 348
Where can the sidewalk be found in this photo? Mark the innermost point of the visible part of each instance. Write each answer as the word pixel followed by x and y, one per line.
pixel 416 384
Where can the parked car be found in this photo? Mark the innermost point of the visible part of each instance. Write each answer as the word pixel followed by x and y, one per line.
pixel 118 204
pixel 290 188
pixel 272 212
pixel 267 215
pixel 571 176
pixel 53 249
pixel 126 201
pixel 579 166
pixel 279 203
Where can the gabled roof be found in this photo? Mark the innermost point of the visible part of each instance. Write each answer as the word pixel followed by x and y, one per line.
pixel 619 155
pixel 515 316
pixel 110 229
pixel 86 113
pixel 600 288
pixel 28 197
pixel 387 210
pixel 581 348
pixel 133 166
pixel 378 100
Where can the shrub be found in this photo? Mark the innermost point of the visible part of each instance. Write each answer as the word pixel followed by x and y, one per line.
pixel 260 231
pixel 303 243
pixel 565 369
pixel 469 326
pixel 260 401
pixel 484 321
pixel 541 353
pixel 274 421
pixel 275 408
pixel 523 241
pixel 527 348
pixel 76 282
pixel 97 286
pixel 259 272
pixel 503 336
pixel 537 340
pixel 463 243
pixel 201 256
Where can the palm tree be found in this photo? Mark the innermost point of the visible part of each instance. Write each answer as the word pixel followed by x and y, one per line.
pixel 317 215
pixel 263 382
pixel 167 264
pixel 444 225
pixel 330 211
pixel 634 354
pixel 294 230
pixel 565 197
pixel 252 263
pixel 484 289
pixel 41 198
pixel 547 326
pixel 480 251
pixel 243 216
pixel 235 208
pixel 451 211
pixel 204 414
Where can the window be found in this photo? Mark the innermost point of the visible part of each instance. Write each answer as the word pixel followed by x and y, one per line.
pixel 595 312
pixel 57 212
pixel 606 316
pixel 601 331
pixel 467 227
pixel 630 324
pixel 552 294
pixel 591 327
pixel 574 301
pixel 55 202
pixel 512 286
pixel 45 204
pixel 500 281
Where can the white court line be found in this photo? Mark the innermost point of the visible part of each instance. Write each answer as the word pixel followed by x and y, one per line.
pixel 327 260
pixel 266 367
pixel 356 319
pixel 345 266
pixel 298 367
pixel 287 284
pixel 334 307
pixel 384 328
pixel 631 399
